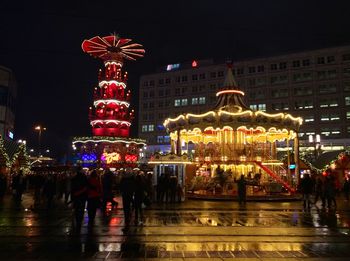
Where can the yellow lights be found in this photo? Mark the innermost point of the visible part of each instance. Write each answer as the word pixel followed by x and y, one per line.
pixel 224 158
pixel 241 113
pixel 102 83
pixel 230 91
pixel 111 157
pixel 243 158
pixel 109 101
pixel 39 128
pixel 272 163
pixel 170 162
pixel 200 115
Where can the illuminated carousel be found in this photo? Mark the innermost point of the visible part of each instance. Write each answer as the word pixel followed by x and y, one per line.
pixel 110 116
pixel 232 140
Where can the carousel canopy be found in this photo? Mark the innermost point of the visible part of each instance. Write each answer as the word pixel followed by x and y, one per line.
pixel 231 111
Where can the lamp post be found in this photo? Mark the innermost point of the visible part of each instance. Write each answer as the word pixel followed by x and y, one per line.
pixel 316 144
pixel 40 129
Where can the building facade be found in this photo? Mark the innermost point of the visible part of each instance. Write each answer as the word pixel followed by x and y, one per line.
pixel 312 84
pixel 8 94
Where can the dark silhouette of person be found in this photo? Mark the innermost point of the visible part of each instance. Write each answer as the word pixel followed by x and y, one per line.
pixel 107 190
pixel 320 191
pixel 18 184
pixel 242 191
pixel 3 185
pixel 172 187
pixel 79 197
pixel 49 189
pixel 93 196
pixel 306 186
pixel 330 191
pixel 161 188
pixel 139 196
pixel 39 181
pixel 127 185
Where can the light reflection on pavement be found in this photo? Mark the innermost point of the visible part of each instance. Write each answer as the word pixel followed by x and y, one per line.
pixel 201 230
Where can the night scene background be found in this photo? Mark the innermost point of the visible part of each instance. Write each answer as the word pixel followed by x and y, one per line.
pixel 41 43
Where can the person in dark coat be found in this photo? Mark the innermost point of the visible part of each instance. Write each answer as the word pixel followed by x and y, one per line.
pixel 242 191
pixel 173 188
pixel 127 187
pixel 307 187
pixel 330 191
pixel 94 196
pixel 319 191
pixel 79 188
pixel 49 189
pixel 139 196
pixel 3 186
pixel 107 190
pixel 19 184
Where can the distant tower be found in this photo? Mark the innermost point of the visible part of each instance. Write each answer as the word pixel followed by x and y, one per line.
pixel 110 114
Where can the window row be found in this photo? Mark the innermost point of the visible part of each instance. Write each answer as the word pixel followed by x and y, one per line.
pixel 147 128
pixel 194 101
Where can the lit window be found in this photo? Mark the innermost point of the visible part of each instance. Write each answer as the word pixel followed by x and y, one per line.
pixel 151 127
pixel 348 115
pixel 184 102
pixel 253 107
pixel 326 133
pixel 309 119
pixel 177 103
pixel 194 101
pixel 201 100
pixel 144 128
pixel 325 118
pixel 347 101
pixel 160 139
pixel 262 107
pixel 166 139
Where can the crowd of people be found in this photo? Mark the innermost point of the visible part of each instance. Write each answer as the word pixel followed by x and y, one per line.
pixel 323 188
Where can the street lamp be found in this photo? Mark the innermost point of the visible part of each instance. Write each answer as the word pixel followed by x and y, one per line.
pixel 316 143
pixel 39 129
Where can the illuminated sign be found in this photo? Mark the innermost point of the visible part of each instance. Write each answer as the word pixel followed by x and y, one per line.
pixel 110 157
pixel 130 158
pixel 89 157
pixel 10 134
pixel 171 67
pixel 194 63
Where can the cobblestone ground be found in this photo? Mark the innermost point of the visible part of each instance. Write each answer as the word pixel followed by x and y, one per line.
pixel 194 230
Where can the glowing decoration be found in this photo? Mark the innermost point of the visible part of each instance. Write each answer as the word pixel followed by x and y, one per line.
pixel 109 116
pixel 194 64
pixel 111 101
pixel 229 91
pixel 87 157
pixel 234 136
pixel 111 47
pixel 110 157
pixel 130 158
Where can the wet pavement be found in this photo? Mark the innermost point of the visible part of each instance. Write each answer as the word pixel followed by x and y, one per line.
pixel 194 230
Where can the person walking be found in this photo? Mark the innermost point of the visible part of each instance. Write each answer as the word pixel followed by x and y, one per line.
pixel 93 196
pixel 49 189
pixel 330 191
pixel 18 184
pixel 306 186
pixel 79 189
pixel 127 185
pixel 319 191
pixel 107 190
pixel 139 196
pixel 242 190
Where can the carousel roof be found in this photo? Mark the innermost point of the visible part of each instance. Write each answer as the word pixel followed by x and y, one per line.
pixel 231 111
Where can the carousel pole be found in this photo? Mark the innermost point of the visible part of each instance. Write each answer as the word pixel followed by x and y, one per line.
pixel 296 158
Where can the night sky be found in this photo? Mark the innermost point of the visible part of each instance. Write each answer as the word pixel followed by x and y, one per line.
pixel 41 42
